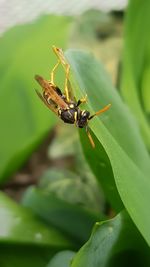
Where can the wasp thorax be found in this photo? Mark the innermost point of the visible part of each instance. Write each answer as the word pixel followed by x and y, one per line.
pixel 72 105
pixel 68 115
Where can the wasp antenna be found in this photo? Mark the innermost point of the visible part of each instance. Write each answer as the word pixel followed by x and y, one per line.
pixel 103 110
pixel 100 111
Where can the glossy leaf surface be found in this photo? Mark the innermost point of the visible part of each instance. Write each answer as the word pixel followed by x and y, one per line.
pixel 64 201
pixel 118 133
pixel 114 243
pixel 62 259
pixel 24 239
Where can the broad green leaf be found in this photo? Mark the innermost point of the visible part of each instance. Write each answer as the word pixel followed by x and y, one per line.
pixel 26 51
pixel 64 203
pixel 145 92
pixel 101 167
pixel 136 64
pixel 24 255
pixel 71 219
pixel 62 259
pixel 114 243
pixel 24 237
pixel 20 225
pixel 117 132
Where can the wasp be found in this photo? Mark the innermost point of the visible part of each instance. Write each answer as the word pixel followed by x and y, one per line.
pixel 64 104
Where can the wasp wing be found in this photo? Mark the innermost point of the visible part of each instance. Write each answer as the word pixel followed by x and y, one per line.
pixel 50 94
pixel 51 105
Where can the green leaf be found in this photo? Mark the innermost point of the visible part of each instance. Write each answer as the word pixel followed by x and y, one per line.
pixel 101 167
pixel 24 237
pixel 62 259
pixel 19 225
pixel 145 92
pixel 115 242
pixel 117 132
pixel 73 220
pixel 135 79
pixel 64 203
pixel 26 51
pixel 24 255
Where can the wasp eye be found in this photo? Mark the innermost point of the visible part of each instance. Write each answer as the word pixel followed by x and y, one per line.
pixel 86 114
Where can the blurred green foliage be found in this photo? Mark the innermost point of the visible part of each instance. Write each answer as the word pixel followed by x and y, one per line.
pixel 24 51
pixel 24 239
pixel 136 65
pixel 55 202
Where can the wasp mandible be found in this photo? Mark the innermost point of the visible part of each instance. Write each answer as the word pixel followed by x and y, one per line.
pixel 64 104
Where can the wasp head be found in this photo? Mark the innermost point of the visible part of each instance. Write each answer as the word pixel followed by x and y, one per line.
pixel 83 118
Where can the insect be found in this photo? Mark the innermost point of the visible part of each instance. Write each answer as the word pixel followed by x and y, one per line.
pixel 64 104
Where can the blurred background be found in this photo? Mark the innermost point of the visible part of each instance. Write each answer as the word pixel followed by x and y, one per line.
pixel 28 30
pixel 17 12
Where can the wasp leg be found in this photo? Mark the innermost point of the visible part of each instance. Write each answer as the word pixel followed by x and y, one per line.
pixel 90 137
pixel 100 111
pixel 53 71
pixel 75 118
pixel 66 82
pixel 59 53
pixel 82 100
